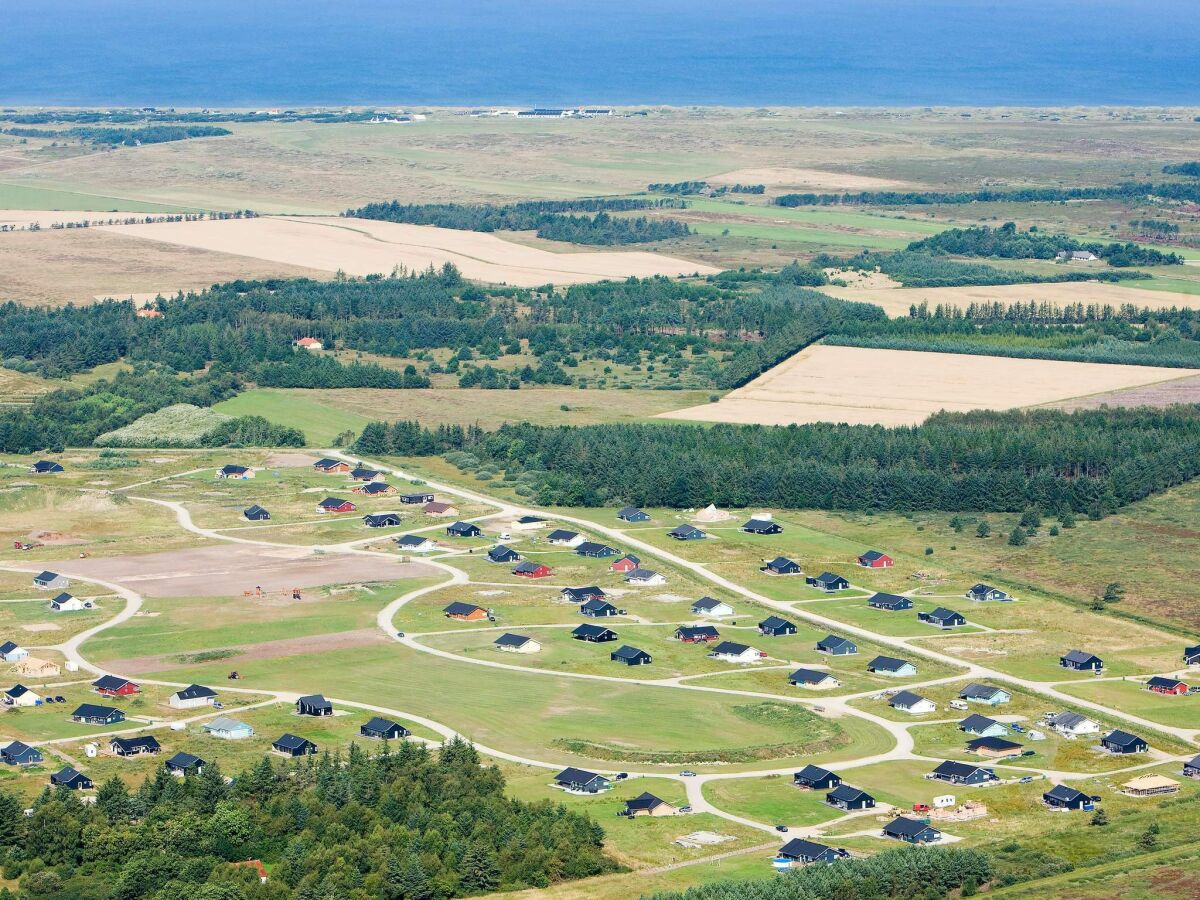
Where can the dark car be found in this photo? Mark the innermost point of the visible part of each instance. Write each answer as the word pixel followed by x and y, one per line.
pixel 782 828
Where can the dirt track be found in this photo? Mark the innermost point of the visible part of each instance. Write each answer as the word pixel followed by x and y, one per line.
pixel 230 570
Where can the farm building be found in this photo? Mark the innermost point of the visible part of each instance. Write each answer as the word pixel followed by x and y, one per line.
pixel 985 592
pixel 185 764
pixel 710 606
pixel 598 609
pixel 686 533
pixel 631 656
pixel 942 618
pixel 529 569
pixel 463 529
pixel 412 499
pixel 1118 741
pixel 18 753
pixel 1150 786
pixel 762 525
pixel 731 651
pixel 626 563
pixel 814 778
pixel 696 634
pixel 516 643
pixel 383 729
pixel 953 772
pixel 331 466
pixel 71 778
pixel 582 594
pixel 45 467
pixel 774 626
pixel 911 831
pixel 135 746
pixel 335 505
pixel 892 667
pixel 51 581
pixel 414 543
pixel 439 508
pixel 804 853
pixel 632 514
pixel 1073 724
pixel 11 652
pixel 982 726
pixel 645 578
pixel 503 554
pixel 192 697
pixel 374 489
pixel 256 513
pixel 836 646
pixel 581 781
pixel 114 686
pixel 1160 685
pixel 235 473
pixel 812 678
pixel 64 602
pixel 19 695
pixel 465 612
pixel 593 634
pixel 561 537
pixel 293 745
pixel 1062 797
pixel 985 693
pixel 995 747
pixel 313 705
pixel 646 804
pixel 91 714
pixel 228 729
pixel 381 520
pixel 595 550
pixel 843 796
pixel 889 602
pixel 828 582
pixel 873 559
pixel 912 703
pixel 1081 661
pixel 781 565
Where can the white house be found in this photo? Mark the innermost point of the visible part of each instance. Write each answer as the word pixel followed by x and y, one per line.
pixel 228 729
pixel 19 695
pixel 1072 724
pixel 560 537
pixel 730 651
pixel 308 343
pixel 192 697
pixel 516 643
pixel 11 652
pixel 645 577
pixel 709 606
pixel 51 581
pixel 415 543
pixel 913 704
pixel 64 602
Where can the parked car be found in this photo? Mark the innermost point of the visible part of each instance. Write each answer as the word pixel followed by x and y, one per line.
pixel 1026 780
pixel 782 828
pixel 685 809
pixel 687 773
pixel 621 776
pixel 1029 753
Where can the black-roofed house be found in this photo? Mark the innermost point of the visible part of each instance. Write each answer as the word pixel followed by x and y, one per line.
pixel 362 473
pixel 256 513
pixel 192 697
pixel 994 747
pixel 1191 768
pixel 686 533
pixel 953 772
pixel 631 656
pixel 644 577
pixel 114 686
pixel 464 612
pixel 561 537
pixel 64 602
pixel 293 745
pixel 828 582
pixel 1081 661
pixel 632 514
pixel 329 465
pixel 583 594
pixel 892 667
pixel 985 693
pixel 731 651
pixel 762 525
pixel 815 778
pixel 516 643
pixel 942 618
pixel 781 565
pixel 711 606
pixel 503 554
pixel 889 602
pixel 1073 724
pixel 416 498
pixel 45 467
pixel 696 634
pixel 184 764
pixel 1160 685
pixel 91 714
pixel 595 550
pixel 19 695
pixel 336 505
pixel 314 705
pixel 11 651
pixel 1118 741
pixel 135 746
pixel 71 778
pixel 1191 656
pixel 381 520
pixel 463 529
pixel 415 543
pixel 581 781
pixel 837 646
pixel 646 804
pixel 812 678
pixel 379 729
pixel 912 703
pixel 594 634
pixel 849 798
pixel 18 753
pixel 598 609
pixel 374 489
pixel 528 569
pixel 236 473
pixel 911 831
pixel 1062 797
pixel 774 626
pixel 873 559
pixel 985 592
pixel 801 852
pixel 51 581
pixel 982 726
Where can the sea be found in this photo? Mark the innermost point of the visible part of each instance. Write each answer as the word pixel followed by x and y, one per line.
pixel 750 53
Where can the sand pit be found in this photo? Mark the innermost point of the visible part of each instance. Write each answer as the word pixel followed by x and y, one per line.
pixel 232 569
pixel 808 179
pixel 290 461
pixel 901 387
pixel 364 247
pixel 896 301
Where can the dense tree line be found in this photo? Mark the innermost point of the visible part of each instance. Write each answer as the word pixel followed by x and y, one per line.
pixel 400 825
pixel 1113 319
pixel 1086 462
pixel 1007 242
pixel 688 188
pixel 549 218
pixel 1129 192
pixel 1190 169
pixel 919 269
pixel 1158 227
pixel 903 873
pixel 123 137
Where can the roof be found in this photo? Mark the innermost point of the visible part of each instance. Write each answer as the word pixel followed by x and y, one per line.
pixel 1070 719
pixel 333 502
pixel 253 510
pixel 380 724
pixel 61 598
pixel 980 691
pixel 512 640
pixel 94 711
pixel 530 567
pixel 731 647
pixel 782 562
pixel 833 640
pixel 225 723
pixel 110 683
pixel 381 517
pixel 1159 681
pixel 9 647
pixel 627 652
pixel 573 775
pixel 976 722
pixel 376 487
pixel 697 630
pixel 462 526
pixel 194 692
pixel 46 576
pixel 992 743
pixel 437 506
pixel 802 849
pixel 411 540
pixel 1079 656
pixel 1065 794
pixel 982 588
pixel 66 774
pixel 1122 738
pixel 590 591
pixel 828 576
pixel 907 698
pixel 847 793
pixel 326 462
pixel 561 534
pixel 596 604
pixel 814 773
pixel 625 511
pixel 593 630
pixel 773 622
pixel 908 827
pixel 942 613
pixel 183 760
pixel 316 700
pixel 644 800
pixel 231 469
pixel 873 554
pixel 291 741
pixel 685 529
pixel 594 547
pixel 641 575
pixel 958 769
pixel 20 748
pixel 502 550
pixel 759 524
pixel 708 603
pixel 17 690
pixel 458 608
pixel 884 599
pixel 143 741
pixel 888 663
pixel 809 676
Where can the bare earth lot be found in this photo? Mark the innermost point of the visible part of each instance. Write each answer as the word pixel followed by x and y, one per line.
pixel 903 387
pixel 364 247
pixel 1164 393
pixel 229 570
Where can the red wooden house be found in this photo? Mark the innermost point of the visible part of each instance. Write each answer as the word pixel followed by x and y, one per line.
pixel 532 570
pixel 112 686
pixel 1160 685
pixel 335 505
pixel 626 564
pixel 873 559
pixel 331 465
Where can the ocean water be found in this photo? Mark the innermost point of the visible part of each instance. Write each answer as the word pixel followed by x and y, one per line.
pixel 257 53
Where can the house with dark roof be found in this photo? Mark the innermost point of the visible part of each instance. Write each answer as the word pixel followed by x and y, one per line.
pixel 836 646
pixel 962 773
pixel 598 609
pixel 314 705
pixel 416 498
pixel 1191 656
pixel 293 745
pixel 465 612
pixel 731 651
pixel 593 634
pixel 995 747
pixel 985 693
pixel 503 554
pixel 561 537
pixel 686 532
pixel 71 778
pixel 911 831
pixel 646 804
pixel 812 678
pixel 114 686
pixel 1118 741
pixel 18 753
pixel 1081 661
pixel 984 592
pixel 760 525
pixel 873 559
pixel 1062 797
pixel 645 577
pixel 801 852
pixel 942 618
pixel 982 726
pixel 774 626
pixel 912 703
pixel 374 489
pixel 631 656
pixel 91 714
pixel 51 581
pixel 711 606
pixel 1073 724
pixel 330 466
pixel 381 520
pixel 236 473
pixel 849 798
pixel 815 778
pixel 828 582
pixel 1172 686
pixel 582 594
pixel 595 550
pixel 64 602
pixel 892 667
pixel 255 513
pixel 581 781
pixel 184 764
pixel 45 467
pixel 781 565
pixel 696 634
pixel 19 695
pixel 464 529
pixel 1191 768
pixel 632 514
pixel 626 564
pixel 135 746
pixel 192 697
pixel 335 505
pixel 11 651
pixel 415 543
pixel 889 602
pixel 362 473
pixel 528 569
pixel 516 643
pixel 379 729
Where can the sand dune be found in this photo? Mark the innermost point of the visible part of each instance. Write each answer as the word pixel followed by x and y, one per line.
pixel 364 247
pixel 902 387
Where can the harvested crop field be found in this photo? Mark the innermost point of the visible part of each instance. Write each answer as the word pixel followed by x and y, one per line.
pixel 231 570
pixel 365 247
pixel 896 301
pixel 1164 393
pixel 903 387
